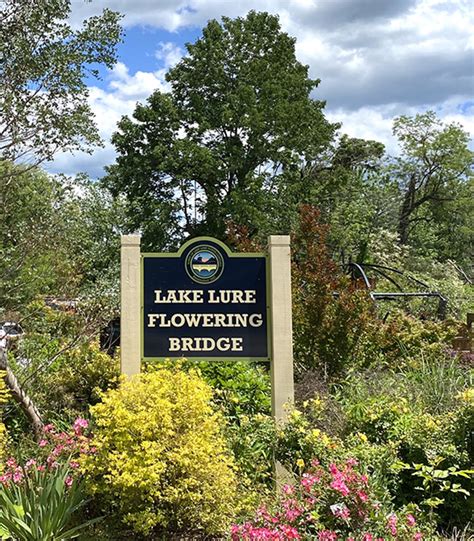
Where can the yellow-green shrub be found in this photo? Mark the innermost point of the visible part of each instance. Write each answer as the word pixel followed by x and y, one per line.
pixel 161 460
pixel 3 432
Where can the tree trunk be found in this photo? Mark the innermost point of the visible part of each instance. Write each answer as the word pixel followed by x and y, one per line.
pixel 20 396
pixel 408 207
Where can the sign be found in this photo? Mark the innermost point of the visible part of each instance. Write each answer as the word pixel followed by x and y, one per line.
pixel 205 302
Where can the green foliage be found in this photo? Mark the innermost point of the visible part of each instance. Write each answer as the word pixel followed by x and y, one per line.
pixel 43 506
pixel 435 162
pixel 32 238
pixel 425 414
pixel 240 388
pixel 161 461
pixel 404 339
pixel 239 116
pixel 74 381
pixel 59 361
pixel 45 64
pixel 436 482
pixel 55 240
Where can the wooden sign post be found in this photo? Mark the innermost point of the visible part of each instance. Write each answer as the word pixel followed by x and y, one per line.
pixel 209 303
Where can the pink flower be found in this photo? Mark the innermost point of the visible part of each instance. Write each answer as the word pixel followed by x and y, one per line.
pixel 58 450
pixel 392 524
pixel 48 428
pixel 411 520
pixel 17 475
pixel 5 478
pixel 292 510
pixel 340 510
pixel 362 496
pixel 327 535
pixel 290 532
pixel 308 480
pixel 367 537
pixel 288 489
pixel 418 536
pixel 340 486
pixel 30 463
pixel 68 481
pixel 43 443
pixel 79 425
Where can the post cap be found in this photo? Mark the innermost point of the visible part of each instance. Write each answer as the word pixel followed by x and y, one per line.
pixel 130 240
pixel 279 240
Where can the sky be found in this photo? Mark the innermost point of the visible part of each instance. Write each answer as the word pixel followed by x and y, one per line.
pixel 377 59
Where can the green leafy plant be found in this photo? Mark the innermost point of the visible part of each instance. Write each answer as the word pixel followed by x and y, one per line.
pixel 42 507
pixel 437 481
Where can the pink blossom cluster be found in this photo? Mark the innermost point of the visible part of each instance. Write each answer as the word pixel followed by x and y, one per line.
pixel 328 504
pixel 53 449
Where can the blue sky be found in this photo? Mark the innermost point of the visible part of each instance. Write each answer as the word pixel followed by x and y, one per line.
pixel 376 59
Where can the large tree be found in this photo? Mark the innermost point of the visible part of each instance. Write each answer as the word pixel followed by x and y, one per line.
pixel 434 164
pixel 238 115
pixel 44 66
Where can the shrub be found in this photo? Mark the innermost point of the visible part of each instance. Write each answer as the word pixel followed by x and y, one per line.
pixel 241 393
pixel 60 364
pixel 75 380
pixel 328 504
pixel 406 338
pixel 240 387
pixel 160 459
pixel 425 414
pixel 328 331
pixel 3 432
pixel 300 439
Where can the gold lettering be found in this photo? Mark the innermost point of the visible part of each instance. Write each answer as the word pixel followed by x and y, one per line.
pixel 179 296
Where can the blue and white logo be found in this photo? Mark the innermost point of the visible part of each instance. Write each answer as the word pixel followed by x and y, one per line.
pixel 204 264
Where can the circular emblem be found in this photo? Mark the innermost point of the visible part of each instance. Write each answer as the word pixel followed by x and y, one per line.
pixel 204 264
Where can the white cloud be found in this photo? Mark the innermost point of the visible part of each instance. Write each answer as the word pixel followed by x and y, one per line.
pixel 366 52
pixel 169 53
pixel 376 122
pixel 376 59
pixel 120 98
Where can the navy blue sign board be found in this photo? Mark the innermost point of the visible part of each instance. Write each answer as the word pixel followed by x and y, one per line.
pixel 205 302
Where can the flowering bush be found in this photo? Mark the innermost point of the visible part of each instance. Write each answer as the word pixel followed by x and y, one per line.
pixel 54 450
pixel 39 497
pixel 161 460
pixel 329 504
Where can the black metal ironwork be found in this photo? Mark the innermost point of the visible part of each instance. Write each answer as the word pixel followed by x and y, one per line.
pixel 358 271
